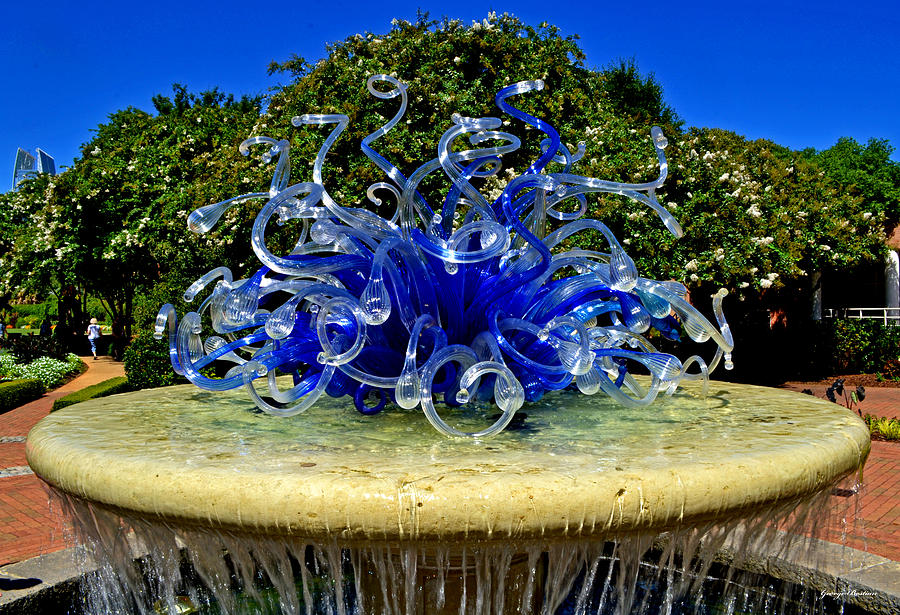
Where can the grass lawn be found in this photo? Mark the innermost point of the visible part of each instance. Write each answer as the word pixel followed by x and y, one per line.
pixel 104 329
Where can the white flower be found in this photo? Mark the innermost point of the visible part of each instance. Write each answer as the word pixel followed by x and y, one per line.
pixel 694 277
pixel 765 283
pixel 457 59
pixel 754 211
pixel 754 269
pixel 867 215
pixel 772 276
pixel 825 247
pixel 691 265
pixel 743 284
pixel 724 177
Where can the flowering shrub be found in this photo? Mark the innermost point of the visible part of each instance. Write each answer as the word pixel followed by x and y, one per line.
pixel 7 366
pixel 27 348
pixel 50 372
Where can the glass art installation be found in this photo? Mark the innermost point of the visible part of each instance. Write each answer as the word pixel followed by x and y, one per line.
pixel 466 299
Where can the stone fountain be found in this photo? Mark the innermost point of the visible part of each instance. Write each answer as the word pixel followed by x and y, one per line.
pixel 475 470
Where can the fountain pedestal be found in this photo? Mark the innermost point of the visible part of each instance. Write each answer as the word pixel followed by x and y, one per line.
pixel 575 473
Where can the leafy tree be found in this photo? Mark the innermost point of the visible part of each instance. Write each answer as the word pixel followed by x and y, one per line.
pixel 140 178
pixel 632 94
pixel 115 223
pixel 869 172
pixel 35 247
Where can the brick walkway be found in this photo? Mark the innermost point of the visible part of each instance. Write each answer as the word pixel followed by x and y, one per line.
pixel 27 525
pixel 883 401
pixel 869 522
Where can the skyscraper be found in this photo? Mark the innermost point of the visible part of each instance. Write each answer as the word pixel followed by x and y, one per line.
pixel 28 164
pixel 45 162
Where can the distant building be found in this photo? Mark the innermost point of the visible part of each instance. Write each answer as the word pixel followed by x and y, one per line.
pixel 29 164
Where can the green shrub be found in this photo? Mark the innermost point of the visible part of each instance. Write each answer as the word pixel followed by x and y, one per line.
pixel 891 370
pixel 883 428
pixel 30 347
pixel 36 310
pixel 119 384
pixel 17 392
pixel 147 363
pixel 861 346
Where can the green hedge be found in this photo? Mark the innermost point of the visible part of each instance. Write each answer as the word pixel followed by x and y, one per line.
pixel 147 363
pixel 112 386
pixel 14 393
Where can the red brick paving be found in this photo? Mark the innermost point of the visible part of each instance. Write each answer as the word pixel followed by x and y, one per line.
pixel 869 522
pixel 28 527
pixel 881 401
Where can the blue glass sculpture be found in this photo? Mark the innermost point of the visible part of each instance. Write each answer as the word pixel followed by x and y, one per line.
pixel 465 301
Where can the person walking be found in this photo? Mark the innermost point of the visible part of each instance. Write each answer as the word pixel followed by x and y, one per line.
pixel 93 333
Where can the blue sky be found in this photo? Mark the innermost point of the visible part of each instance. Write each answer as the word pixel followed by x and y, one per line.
pixel 801 74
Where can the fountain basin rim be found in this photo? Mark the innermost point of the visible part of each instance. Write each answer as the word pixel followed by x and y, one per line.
pixel 478 499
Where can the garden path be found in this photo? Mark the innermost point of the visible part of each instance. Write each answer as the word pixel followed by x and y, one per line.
pixel 27 525
pixel 880 401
